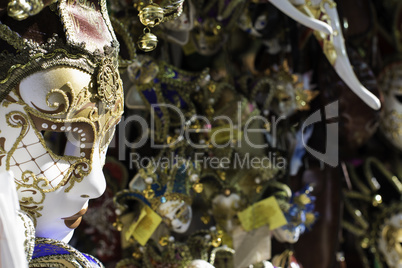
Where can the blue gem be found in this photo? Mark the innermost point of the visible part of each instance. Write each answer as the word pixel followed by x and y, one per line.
pixel 163 199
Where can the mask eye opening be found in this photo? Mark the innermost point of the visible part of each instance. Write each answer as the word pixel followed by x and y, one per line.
pixel 55 141
pixel 398 97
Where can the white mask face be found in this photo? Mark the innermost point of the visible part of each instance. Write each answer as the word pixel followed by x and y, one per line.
pixel 54 136
pixel 391 122
pixel 176 214
pixel 206 37
pixel 224 209
pixel 288 233
pixel 185 22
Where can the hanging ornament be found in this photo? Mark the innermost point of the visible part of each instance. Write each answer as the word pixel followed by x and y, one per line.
pixel 150 16
pixel 148 41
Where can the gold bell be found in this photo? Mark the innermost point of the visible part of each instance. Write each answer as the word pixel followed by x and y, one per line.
pixel 148 41
pixel 151 15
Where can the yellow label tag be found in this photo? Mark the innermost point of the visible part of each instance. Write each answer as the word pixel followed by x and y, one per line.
pixel 264 212
pixel 145 226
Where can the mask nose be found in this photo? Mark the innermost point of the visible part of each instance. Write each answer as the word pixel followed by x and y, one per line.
pixel 94 184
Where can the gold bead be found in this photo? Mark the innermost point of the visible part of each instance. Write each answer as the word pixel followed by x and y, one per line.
pixel 210 111
pixel 148 41
pixel 216 242
pixel 149 193
pixel 206 218
pixel 258 189
pixel 151 15
pixel 227 192
pixel 163 241
pixel 219 233
pixel 136 255
pixel 118 226
pixel 198 187
pixel 222 174
pixel 365 243
pixel 377 200
pixel 20 10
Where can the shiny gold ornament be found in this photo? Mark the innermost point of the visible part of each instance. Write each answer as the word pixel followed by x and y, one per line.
pixel 216 242
pixel 365 242
pixel 205 218
pixel 137 255
pixel 163 241
pixel 198 187
pixel 149 194
pixel 377 200
pixel 148 41
pixel 304 97
pixel 151 15
pixel 221 174
pixel 258 189
pixel 219 233
pixel 227 192
pixel 20 9
pixel 118 226
pixel 109 83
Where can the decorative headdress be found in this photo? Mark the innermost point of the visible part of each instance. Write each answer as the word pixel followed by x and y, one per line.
pixel 62 35
pixel 161 85
pixel 154 186
pixel 67 34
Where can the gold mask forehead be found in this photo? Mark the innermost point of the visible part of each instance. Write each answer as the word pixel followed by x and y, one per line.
pixel 64 93
pixel 64 99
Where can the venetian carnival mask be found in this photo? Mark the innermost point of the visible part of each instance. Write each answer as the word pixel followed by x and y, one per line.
pixel 391 121
pixel 208 36
pixel 322 16
pixel 167 192
pixel 261 20
pixel 300 215
pixel 60 98
pixel 55 130
pixel 185 21
pixel 224 209
pixel 178 30
pixel 177 214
